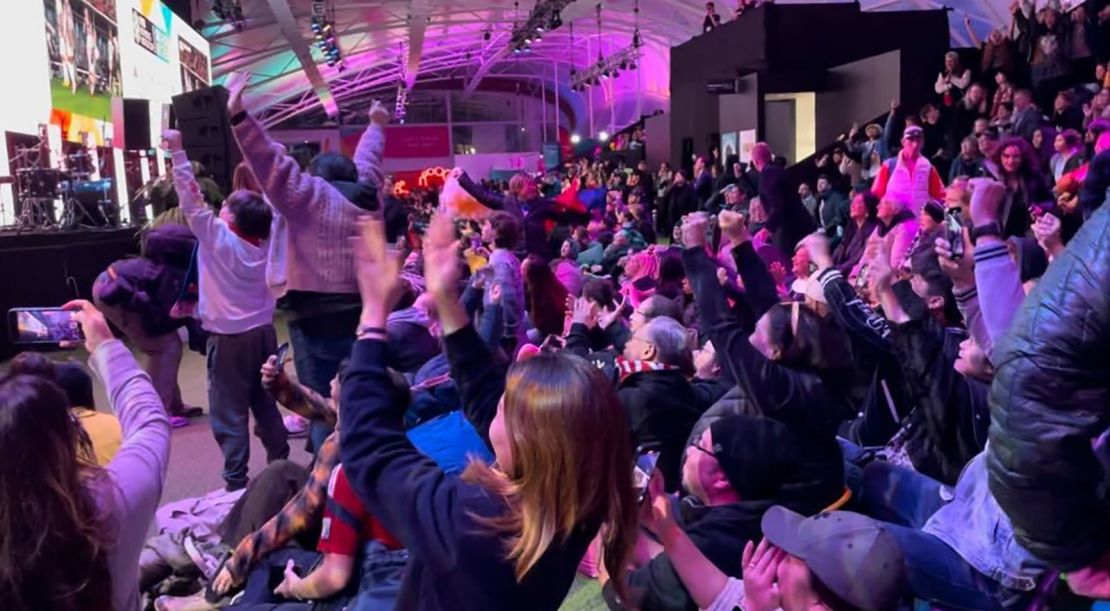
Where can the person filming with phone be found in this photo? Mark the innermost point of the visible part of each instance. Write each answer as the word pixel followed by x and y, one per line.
pixel 71 530
pixel 735 471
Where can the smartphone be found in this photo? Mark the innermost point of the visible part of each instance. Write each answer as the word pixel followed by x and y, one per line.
pixel 954 232
pixel 282 352
pixel 646 461
pixel 44 326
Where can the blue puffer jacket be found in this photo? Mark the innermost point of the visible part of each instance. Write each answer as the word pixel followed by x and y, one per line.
pixel 1050 399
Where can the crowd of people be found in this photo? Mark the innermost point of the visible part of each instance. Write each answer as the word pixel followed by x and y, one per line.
pixel 709 389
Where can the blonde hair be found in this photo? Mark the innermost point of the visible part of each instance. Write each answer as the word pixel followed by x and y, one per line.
pixel 572 463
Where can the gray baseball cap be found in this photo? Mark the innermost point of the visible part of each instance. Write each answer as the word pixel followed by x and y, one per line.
pixel 854 556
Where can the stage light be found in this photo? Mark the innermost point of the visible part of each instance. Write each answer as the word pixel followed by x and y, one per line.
pixel 523 129
pixel 487 35
pixel 603 136
pixel 637 41
pixel 575 138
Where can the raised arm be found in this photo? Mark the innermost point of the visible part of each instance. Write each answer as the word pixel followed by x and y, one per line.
pixel 371 147
pixel 406 490
pixel 212 233
pixel 138 470
pixel 479 381
pixel 1049 402
pixel 489 199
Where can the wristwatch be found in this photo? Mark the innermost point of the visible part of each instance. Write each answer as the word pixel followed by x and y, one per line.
pixel 993 228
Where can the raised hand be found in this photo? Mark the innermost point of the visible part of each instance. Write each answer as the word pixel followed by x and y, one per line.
pixel 236 84
pixel 761 563
pixel 694 227
pixel 734 227
pixel 962 270
pixel 378 270
pixel 92 324
pixel 379 113
pixel 441 265
pixel 171 140
pixel 818 247
pixel 987 196
pixel 1047 231
pixel 584 312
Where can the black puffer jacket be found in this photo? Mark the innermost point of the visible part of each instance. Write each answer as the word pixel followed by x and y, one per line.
pixel 1050 399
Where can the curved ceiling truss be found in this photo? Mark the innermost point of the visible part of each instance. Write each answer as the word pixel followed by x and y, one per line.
pixel 450 44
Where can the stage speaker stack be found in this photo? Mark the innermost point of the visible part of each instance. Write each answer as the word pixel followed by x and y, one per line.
pixel 131 121
pixel 205 128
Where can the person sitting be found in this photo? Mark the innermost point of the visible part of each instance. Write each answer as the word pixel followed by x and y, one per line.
pixel 496 525
pixel 501 231
pixel 654 389
pixel 739 467
pixel 103 429
pixel 356 558
pixel 832 210
pixel 968 162
pixel 861 223
pixel 1048 403
pixel 75 543
pixel 1068 156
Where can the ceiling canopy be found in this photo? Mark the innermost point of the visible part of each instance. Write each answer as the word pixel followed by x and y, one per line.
pixel 387 46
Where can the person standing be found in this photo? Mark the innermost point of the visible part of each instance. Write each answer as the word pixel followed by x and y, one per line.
pixel 310 263
pixel 910 177
pixel 237 310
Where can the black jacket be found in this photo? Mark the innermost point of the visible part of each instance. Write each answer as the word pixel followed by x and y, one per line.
pixel 949 426
pixel 534 216
pixel 662 407
pixel 455 562
pixel 787 218
pixel 1049 399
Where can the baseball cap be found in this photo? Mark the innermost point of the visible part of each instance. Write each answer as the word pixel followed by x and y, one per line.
pixel 913 131
pixel 854 556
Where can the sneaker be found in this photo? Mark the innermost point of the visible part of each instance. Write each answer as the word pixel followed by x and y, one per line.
pixel 295 425
pixel 177 422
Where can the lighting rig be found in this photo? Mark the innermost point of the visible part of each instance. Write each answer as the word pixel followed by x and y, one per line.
pixel 545 17
pixel 608 67
pixel 323 29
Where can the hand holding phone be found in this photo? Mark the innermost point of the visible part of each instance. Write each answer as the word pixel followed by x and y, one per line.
pixel 646 461
pixel 44 326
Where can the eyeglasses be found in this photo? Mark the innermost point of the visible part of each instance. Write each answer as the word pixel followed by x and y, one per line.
pixel 703 450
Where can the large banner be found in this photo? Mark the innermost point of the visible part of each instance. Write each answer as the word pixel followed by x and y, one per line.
pixel 83 48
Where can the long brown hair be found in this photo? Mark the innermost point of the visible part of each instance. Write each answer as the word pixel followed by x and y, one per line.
pixel 572 463
pixel 53 537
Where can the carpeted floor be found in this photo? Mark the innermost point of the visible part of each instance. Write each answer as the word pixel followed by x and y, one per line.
pixel 196 462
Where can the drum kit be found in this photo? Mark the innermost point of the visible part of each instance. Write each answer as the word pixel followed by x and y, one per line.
pixel 86 198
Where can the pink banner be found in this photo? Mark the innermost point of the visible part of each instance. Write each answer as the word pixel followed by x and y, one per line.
pixel 408 142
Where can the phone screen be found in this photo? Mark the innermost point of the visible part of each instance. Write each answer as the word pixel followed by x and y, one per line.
pixel 282 352
pixel 44 326
pixel 641 474
pixel 955 235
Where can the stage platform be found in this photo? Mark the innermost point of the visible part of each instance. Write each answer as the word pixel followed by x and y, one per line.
pixel 48 268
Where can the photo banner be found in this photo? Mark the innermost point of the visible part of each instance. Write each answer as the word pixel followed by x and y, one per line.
pixel 149 36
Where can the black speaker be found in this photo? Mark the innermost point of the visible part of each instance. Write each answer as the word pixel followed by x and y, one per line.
pixel 205 130
pixel 131 123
